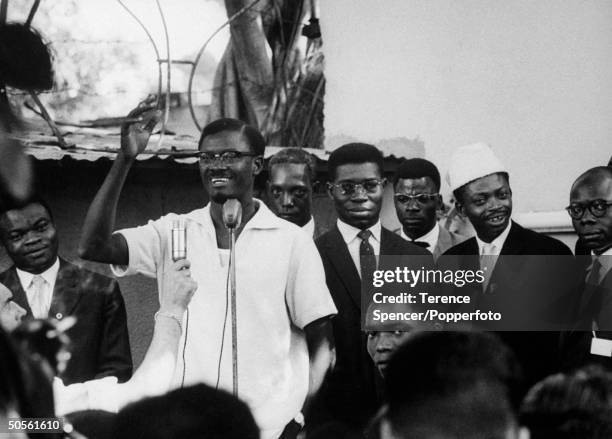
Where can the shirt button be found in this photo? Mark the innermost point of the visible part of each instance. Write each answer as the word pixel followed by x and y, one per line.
pixel 59 316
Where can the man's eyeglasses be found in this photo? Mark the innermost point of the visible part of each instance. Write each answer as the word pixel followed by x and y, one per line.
pixel 223 157
pixel 421 199
pixel 349 188
pixel 598 208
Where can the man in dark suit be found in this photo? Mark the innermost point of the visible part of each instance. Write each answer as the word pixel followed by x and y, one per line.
pixel 417 202
pixel 289 188
pixel 356 188
pixel 530 291
pixel 591 211
pixel 48 286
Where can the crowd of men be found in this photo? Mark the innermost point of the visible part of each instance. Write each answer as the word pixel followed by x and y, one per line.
pixel 306 367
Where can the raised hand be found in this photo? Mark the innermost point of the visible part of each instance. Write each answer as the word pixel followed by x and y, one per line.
pixel 135 135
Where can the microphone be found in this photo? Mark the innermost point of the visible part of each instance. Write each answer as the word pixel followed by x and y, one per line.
pixel 232 213
pixel 179 240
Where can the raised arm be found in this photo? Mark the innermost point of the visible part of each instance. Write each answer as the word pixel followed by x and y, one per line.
pixel 97 240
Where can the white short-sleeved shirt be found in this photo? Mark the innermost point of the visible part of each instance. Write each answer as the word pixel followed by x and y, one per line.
pixel 280 289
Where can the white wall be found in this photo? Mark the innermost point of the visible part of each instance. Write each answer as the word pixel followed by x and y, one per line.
pixel 531 77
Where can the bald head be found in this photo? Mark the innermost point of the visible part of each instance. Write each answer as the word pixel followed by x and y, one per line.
pixel 591 208
pixel 594 176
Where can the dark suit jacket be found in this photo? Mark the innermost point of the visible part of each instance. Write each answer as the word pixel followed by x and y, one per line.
pixel 350 395
pixel 525 290
pixel 99 340
pixel 593 304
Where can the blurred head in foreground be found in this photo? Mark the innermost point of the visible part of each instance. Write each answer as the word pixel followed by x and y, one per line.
pixel 197 412
pixel 453 385
pixel 570 406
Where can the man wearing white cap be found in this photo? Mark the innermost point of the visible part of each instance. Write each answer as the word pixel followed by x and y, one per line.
pixel 519 286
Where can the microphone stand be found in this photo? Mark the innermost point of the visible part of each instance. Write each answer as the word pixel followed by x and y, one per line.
pixel 232 217
pixel 232 276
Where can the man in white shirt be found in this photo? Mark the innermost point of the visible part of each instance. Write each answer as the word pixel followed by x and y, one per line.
pixel 283 307
pixel 417 202
pixel 46 285
pixel 289 188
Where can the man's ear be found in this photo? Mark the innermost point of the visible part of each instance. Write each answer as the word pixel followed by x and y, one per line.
pixel 460 208
pixel 258 164
pixel 440 203
pixel 330 188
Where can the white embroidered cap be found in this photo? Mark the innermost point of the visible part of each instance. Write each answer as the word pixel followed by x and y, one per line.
pixel 471 162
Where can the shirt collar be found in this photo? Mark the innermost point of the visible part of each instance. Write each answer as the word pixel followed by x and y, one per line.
pixel 605 261
pixel 349 233
pixel 264 218
pixel 430 237
pixel 497 242
pixel 309 227
pixel 49 275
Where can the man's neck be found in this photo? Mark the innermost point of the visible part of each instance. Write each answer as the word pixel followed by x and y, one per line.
pixel 410 234
pixel 249 207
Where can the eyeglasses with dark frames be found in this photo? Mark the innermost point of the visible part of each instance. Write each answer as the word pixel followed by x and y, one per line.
pixel 224 157
pixel 598 208
pixel 348 188
pixel 421 199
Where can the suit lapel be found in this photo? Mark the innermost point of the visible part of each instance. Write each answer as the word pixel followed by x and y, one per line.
pixel 390 243
pixel 342 262
pixel 444 243
pixel 66 292
pixel 19 295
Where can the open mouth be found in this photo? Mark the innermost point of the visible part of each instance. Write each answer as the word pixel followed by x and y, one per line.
pixel 219 181
pixel 497 220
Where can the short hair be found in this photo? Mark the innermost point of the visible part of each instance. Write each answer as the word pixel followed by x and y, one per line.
pixel 296 156
pixel 198 411
pixel 577 405
pixel 417 168
pixel 447 381
pixel 594 173
pixel 6 204
pixel 354 153
pixel 458 193
pixel 250 133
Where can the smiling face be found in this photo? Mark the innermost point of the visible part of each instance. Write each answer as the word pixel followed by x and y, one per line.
pixel 360 209
pixel 229 179
pixel 594 232
pixel 290 192
pixel 487 203
pixel 417 218
pixel 30 238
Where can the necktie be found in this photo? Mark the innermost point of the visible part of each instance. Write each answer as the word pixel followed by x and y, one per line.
pixel 367 258
pixel 39 302
pixel 421 244
pixel 594 272
pixel 488 258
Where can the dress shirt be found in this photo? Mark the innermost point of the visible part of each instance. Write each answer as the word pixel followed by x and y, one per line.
pixel 50 276
pixel 349 234
pixel 494 247
pixel 309 227
pixel 280 289
pixel 430 237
